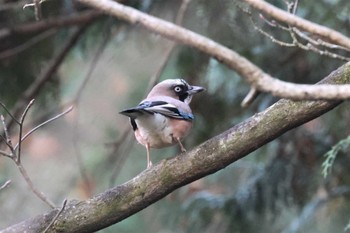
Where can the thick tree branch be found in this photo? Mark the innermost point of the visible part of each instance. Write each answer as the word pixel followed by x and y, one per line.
pixel 249 71
pixel 153 184
pixel 292 20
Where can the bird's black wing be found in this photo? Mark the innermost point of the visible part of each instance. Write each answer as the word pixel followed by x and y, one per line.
pixel 160 107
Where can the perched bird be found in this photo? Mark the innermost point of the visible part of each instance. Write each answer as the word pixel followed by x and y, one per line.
pixel 164 118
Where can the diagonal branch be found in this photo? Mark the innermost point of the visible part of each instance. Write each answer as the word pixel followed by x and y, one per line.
pixel 57 22
pixel 249 71
pixel 42 124
pixel 47 75
pixel 16 156
pixel 39 194
pixel 153 184
pixel 21 122
pixel 295 21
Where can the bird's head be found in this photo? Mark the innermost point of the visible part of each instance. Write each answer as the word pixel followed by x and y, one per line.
pixel 175 88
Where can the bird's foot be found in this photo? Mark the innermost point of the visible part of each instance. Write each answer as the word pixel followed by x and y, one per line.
pixel 149 165
pixel 182 148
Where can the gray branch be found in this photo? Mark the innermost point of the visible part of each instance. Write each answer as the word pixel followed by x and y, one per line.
pixel 250 72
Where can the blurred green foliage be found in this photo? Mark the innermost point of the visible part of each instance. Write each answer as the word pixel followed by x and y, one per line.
pixel 341 146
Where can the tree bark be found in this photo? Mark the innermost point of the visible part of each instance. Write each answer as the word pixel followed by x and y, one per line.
pixel 153 184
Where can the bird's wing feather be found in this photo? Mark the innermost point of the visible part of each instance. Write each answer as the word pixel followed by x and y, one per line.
pixel 160 107
pixel 167 109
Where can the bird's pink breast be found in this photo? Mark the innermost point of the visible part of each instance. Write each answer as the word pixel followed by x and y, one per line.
pixel 163 133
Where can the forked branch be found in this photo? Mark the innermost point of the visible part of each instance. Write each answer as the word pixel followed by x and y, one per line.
pixel 299 38
pixel 15 151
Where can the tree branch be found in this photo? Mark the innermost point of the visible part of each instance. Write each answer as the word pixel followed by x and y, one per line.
pixel 16 156
pixel 153 184
pixel 62 21
pixel 46 76
pixel 317 46
pixel 249 71
pixel 5 185
pixel 295 21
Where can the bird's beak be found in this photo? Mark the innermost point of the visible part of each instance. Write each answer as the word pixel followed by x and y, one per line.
pixel 195 89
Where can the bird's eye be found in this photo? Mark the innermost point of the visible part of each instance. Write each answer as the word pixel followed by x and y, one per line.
pixel 178 89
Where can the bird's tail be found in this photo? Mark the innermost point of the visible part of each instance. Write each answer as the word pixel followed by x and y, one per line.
pixel 133 113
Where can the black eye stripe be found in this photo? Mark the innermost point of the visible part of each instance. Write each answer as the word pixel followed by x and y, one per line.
pixel 184 82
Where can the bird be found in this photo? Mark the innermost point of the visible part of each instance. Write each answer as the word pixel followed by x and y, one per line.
pixel 164 117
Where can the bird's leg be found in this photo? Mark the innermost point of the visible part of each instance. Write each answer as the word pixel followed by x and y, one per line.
pixel 180 144
pixel 149 162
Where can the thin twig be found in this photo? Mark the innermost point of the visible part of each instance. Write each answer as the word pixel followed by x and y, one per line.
pixel 56 216
pixel 44 123
pixel 8 112
pixel 5 185
pixel 270 23
pixel 291 7
pixel 32 187
pixel 285 17
pixel 250 97
pixel 311 45
pixel 295 7
pixel 294 32
pixel 272 38
pixel 37 8
pixel 318 42
pixel 7 138
pixel 16 157
pixel 331 46
pixel 4 139
pixel 21 130
pixel 46 76
pixel 4 153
